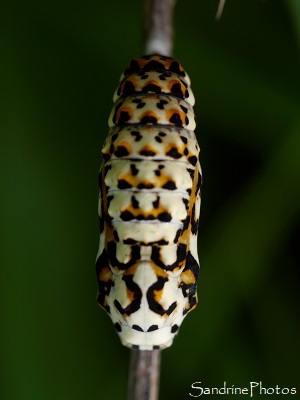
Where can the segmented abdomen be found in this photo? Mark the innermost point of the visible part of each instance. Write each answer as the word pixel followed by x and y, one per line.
pixel 149 205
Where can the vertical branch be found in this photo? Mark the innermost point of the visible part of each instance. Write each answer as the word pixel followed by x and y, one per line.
pixel 144 369
pixel 158 27
pixel 220 9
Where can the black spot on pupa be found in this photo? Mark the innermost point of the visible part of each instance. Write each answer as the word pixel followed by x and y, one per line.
pixel 157 172
pixel 153 65
pixel 194 228
pixel 162 134
pixel 129 241
pixel 111 149
pixel 147 153
pixel 151 87
pixel 156 202
pixel 106 169
pixel 126 216
pixel 161 166
pixel 177 236
pixel 137 135
pixel 164 217
pixel 136 101
pixel 191 172
pixel 170 185
pixel 195 222
pixel 186 203
pixel 128 88
pixel 123 184
pixel 176 120
pixel 156 347
pixel 124 117
pixel 145 186
pixel 134 170
pixel 134 202
pixel 199 183
pixel 137 328
pixel 150 217
pixel 106 157
pixel 184 109
pixel 114 137
pixel 186 223
pixel 149 119
pixel 162 242
pixel 181 252
pixel 175 67
pixel 183 287
pixel 135 253
pixel 174 328
pixel 133 67
pixel 118 327
pixel 187 120
pixel 141 105
pixel 121 151
pixel 158 139
pixel 186 152
pixel 173 152
pixel 171 308
pixel 161 104
pixel 193 160
pixel 152 328
pixel 176 90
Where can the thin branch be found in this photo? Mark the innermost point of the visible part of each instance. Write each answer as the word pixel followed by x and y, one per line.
pixel 158 27
pixel 220 9
pixel 144 369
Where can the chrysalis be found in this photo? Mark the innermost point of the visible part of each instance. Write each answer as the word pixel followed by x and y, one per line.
pixel 149 205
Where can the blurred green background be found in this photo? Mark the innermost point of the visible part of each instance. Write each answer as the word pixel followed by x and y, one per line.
pixel 60 64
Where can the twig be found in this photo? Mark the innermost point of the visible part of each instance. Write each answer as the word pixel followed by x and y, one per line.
pixel 158 28
pixel 143 383
pixel 220 9
pixel 144 369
